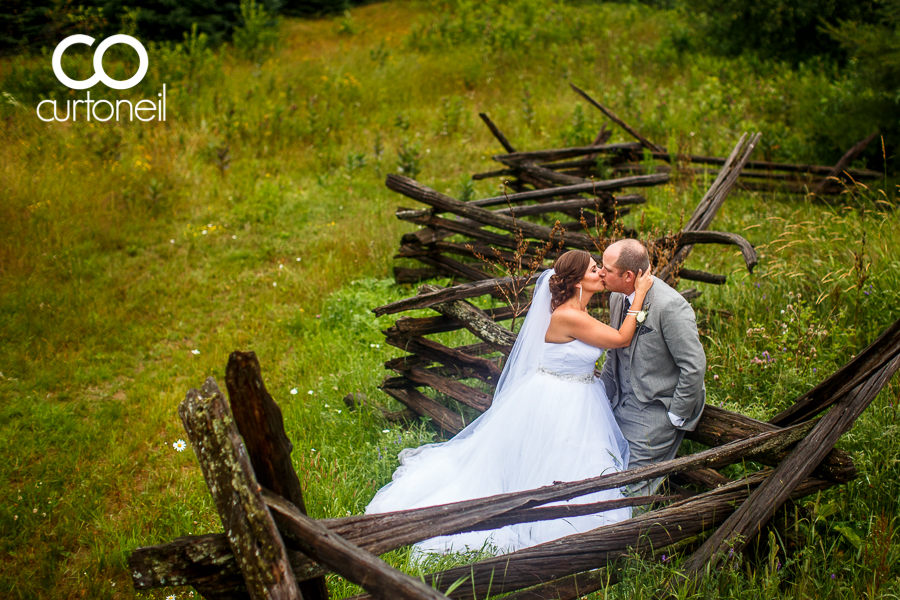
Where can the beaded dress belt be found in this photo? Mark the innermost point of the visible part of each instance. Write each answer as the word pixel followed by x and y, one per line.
pixel 575 377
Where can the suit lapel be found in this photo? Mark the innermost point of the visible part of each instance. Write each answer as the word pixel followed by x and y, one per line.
pixel 637 331
pixel 620 317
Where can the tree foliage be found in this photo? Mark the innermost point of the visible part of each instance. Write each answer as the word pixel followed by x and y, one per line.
pixel 31 24
pixel 787 30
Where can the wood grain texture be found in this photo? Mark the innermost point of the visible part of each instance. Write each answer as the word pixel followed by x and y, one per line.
pixel 753 514
pixel 260 422
pixel 381 533
pixel 346 559
pixel 254 539
pixel 602 546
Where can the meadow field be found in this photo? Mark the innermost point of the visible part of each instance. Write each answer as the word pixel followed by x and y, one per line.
pixel 134 257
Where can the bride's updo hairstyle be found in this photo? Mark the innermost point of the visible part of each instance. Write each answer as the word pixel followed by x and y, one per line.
pixel 570 269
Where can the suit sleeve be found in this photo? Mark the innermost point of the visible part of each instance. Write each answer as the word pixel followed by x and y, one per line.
pixel 679 330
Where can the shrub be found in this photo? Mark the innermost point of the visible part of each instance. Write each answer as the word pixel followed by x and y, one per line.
pixel 258 33
pixel 498 26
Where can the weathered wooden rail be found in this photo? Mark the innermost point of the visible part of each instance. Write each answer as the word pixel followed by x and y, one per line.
pixel 582 188
pixel 269 548
pixel 461 373
pixel 272 550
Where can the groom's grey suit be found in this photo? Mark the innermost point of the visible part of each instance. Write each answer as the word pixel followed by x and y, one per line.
pixel 660 372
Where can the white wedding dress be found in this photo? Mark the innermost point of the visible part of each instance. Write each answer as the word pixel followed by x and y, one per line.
pixel 550 421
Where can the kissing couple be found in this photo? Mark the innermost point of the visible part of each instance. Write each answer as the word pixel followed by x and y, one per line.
pixel 552 419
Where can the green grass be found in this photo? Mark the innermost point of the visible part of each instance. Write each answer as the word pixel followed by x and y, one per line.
pixel 108 281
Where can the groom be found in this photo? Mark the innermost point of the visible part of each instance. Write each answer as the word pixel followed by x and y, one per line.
pixel 655 385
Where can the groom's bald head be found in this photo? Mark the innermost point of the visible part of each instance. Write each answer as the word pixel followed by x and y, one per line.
pixel 621 262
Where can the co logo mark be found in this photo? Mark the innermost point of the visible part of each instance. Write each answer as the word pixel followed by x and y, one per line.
pixel 99 73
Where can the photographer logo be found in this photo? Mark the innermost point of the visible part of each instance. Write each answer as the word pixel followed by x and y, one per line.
pixel 144 110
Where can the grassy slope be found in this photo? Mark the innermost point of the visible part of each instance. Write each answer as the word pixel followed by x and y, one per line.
pixel 100 310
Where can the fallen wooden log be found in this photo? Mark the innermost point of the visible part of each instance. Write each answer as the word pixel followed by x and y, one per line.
pixel 706 210
pixel 458 391
pixel 418 326
pixel 407 275
pixel 261 425
pixel 845 160
pixel 571 587
pixel 615 119
pixel 705 479
pixel 474 249
pixel 599 547
pixel 347 560
pixel 421 404
pixel 590 187
pixel 454 268
pixel 549 176
pixel 719 426
pixel 603 203
pixel 413 189
pixel 252 534
pixel 497 173
pixel 548 159
pixel 749 519
pixel 562 205
pixel 701 276
pixel 475 320
pixel 748 252
pixel 403 383
pixel 439 228
pixel 497 133
pixel 773 166
pixel 557 154
pixel 468 360
pixel 381 533
pixel 457 292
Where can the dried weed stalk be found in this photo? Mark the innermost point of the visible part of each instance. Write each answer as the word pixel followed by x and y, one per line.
pixel 521 265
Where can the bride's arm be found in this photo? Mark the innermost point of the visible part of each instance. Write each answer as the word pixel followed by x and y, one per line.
pixel 589 330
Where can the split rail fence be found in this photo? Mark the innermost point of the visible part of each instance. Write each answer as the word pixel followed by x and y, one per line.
pixel 270 548
pixel 458 239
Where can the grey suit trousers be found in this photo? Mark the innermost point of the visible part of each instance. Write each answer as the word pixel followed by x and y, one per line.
pixel 651 437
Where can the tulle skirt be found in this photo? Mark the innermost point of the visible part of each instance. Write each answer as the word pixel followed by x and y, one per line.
pixel 545 430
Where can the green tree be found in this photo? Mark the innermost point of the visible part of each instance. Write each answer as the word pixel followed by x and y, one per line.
pixel 788 30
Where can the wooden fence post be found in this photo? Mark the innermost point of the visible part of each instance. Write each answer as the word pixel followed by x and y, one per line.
pixel 259 421
pixel 251 532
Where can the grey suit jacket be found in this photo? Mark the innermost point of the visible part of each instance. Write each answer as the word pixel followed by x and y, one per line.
pixel 667 360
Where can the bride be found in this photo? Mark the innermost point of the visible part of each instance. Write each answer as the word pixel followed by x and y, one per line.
pixel 550 420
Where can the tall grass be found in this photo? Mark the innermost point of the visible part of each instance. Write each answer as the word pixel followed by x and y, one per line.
pixel 135 257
